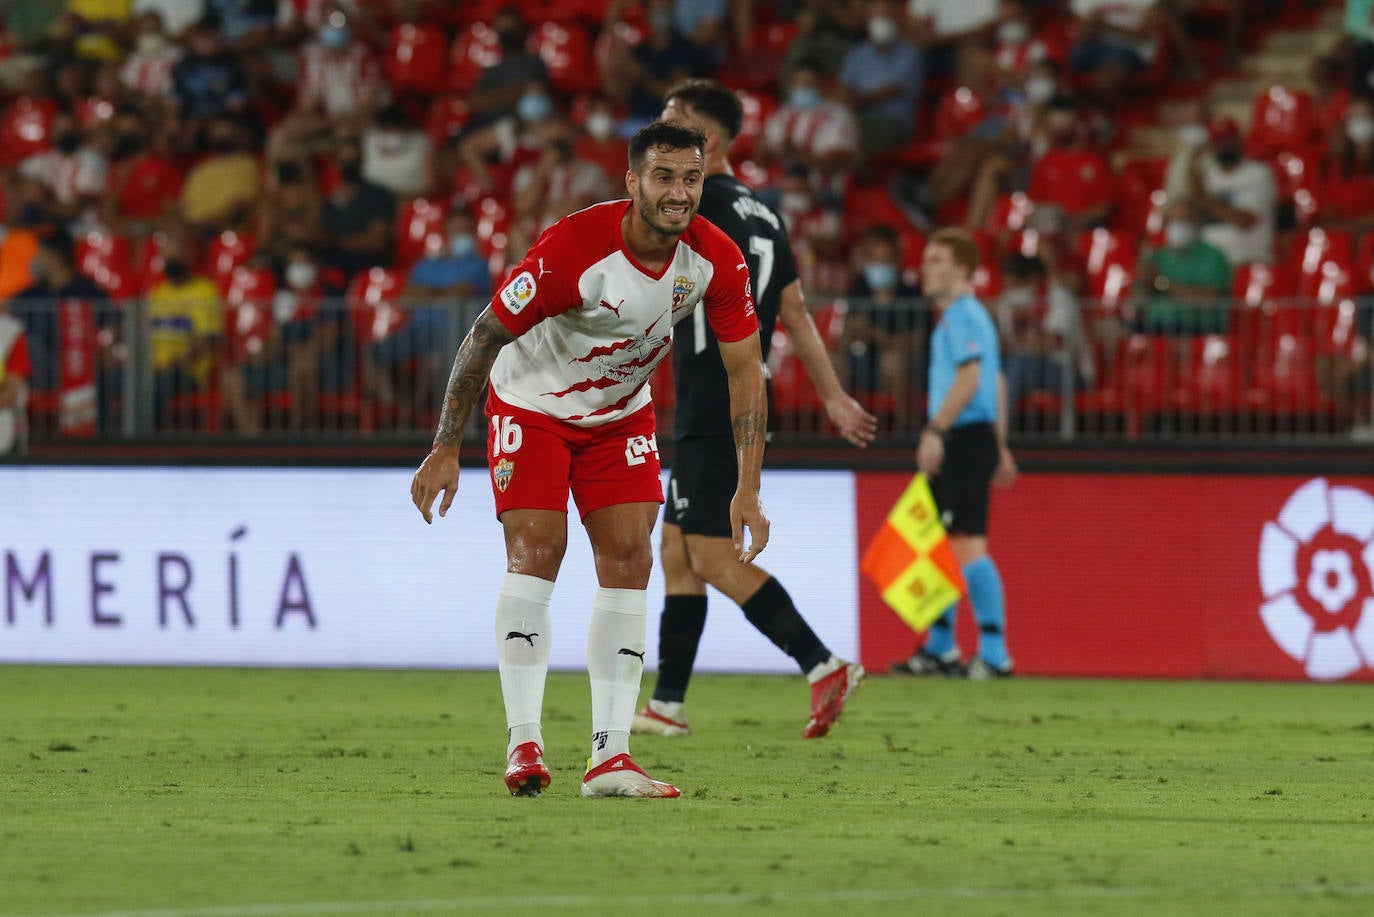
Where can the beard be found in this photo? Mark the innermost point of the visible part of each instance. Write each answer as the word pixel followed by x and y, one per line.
pixel 657 221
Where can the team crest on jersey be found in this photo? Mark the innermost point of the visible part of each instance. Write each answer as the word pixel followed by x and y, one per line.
pixel 682 288
pixel 502 473
pixel 518 293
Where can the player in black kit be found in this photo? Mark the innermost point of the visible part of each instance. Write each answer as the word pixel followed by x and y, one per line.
pixel 697 547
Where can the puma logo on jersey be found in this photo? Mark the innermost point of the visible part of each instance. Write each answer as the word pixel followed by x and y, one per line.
pixel 615 309
pixel 528 638
pixel 629 652
pixel 542 272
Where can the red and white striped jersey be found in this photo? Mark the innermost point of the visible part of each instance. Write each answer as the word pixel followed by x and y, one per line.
pixel 337 83
pixel 591 323
pixel 818 131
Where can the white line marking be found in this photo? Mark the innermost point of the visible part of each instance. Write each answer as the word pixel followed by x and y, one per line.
pixel 652 901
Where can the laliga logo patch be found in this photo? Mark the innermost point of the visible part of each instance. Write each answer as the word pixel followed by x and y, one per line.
pixel 1316 566
pixel 502 474
pixel 682 288
pixel 518 292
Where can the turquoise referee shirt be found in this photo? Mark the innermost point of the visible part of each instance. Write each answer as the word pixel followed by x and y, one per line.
pixel 965 332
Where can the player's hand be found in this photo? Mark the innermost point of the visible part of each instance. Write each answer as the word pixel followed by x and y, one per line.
pixel 438 472
pixel 849 417
pixel 1006 472
pixel 930 452
pixel 746 511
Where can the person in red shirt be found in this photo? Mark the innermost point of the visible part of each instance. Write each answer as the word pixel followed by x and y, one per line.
pixel 569 344
pixel 145 179
pixel 1071 176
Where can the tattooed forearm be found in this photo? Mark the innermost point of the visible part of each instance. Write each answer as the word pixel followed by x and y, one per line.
pixel 749 428
pixel 470 369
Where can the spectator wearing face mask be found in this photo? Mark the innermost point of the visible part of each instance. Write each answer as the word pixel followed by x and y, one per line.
pixel 341 78
pixel 1016 48
pixel 512 142
pixel 358 218
pixel 600 141
pixel 458 271
pixel 882 78
pixel 208 80
pixel 1190 151
pixel 663 59
pixel 941 26
pixel 811 127
pixel 1071 177
pixel 186 326
pixel 290 217
pixel 316 334
pixel 74 174
pixel 826 30
pixel 148 70
pixel 551 187
pixel 1040 323
pixel 500 86
pixel 1236 199
pixel 1347 171
pixel 882 346
pixel 1185 282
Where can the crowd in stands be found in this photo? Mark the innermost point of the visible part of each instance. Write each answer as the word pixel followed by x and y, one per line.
pixel 296 191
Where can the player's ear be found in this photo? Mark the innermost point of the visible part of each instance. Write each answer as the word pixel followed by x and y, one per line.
pixel 630 182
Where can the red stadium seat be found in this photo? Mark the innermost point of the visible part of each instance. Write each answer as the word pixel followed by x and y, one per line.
pixel 758 107
pixel 104 257
pixel 913 250
pixel 447 116
pixel 148 267
pixel 1283 119
pixel 1324 263
pixel 248 296
pixel 475 49
pixel 417 58
pixel 756 66
pixel 1010 213
pixel 1209 384
pixel 1285 383
pixel 958 112
pixel 868 205
pixel 1109 257
pixel 227 251
pixel 374 296
pixel 1139 195
pixel 1136 387
pixel 1260 290
pixel 419 230
pixel 25 129
pixel 567 53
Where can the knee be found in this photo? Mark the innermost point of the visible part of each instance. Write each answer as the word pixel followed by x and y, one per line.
pixel 539 557
pixel 625 560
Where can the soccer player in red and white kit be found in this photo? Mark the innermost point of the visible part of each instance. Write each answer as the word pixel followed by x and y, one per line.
pixel 569 343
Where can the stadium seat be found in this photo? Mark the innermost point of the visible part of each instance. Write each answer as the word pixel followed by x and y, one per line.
pixel 756 66
pixel 758 107
pixel 1109 257
pixel 447 116
pixel 374 297
pixel 104 257
pixel 1324 263
pixel 1010 213
pixel 1135 388
pixel 567 53
pixel 226 252
pixel 419 230
pixel 1285 385
pixel 959 111
pixel 1209 382
pixel 248 293
pixel 1140 196
pixel 870 205
pixel 474 49
pixel 417 58
pixel 148 266
pixel 25 129
pixel 1259 290
pixel 913 249
pixel 1283 119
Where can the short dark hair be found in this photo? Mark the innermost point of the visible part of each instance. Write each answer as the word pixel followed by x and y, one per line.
pixel 961 246
pixel 58 242
pixel 664 135
pixel 712 100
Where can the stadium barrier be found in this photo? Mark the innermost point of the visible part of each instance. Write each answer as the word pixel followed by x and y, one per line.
pixel 1158 576
pixel 1079 370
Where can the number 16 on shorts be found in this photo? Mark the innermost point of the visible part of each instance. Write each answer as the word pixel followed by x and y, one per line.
pixel 506 435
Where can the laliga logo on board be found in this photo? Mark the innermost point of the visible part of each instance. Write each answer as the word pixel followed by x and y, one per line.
pixel 1316 565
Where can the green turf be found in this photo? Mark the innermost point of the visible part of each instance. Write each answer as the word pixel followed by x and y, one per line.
pixel 211 792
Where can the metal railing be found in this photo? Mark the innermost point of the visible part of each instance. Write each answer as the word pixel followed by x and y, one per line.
pixel 1215 373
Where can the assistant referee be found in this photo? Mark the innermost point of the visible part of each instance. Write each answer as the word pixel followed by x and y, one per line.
pixel 963 449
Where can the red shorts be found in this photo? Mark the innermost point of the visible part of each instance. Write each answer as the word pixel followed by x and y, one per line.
pixel 535 460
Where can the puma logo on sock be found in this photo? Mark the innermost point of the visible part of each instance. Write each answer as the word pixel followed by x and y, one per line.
pixel 628 652
pixel 528 638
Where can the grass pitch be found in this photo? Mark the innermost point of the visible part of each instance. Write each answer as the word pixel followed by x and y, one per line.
pixel 209 793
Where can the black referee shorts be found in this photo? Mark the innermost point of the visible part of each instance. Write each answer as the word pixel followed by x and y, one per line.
pixel 962 487
pixel 704 476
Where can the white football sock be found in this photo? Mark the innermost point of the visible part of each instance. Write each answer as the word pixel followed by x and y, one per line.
pixel 825 668
pixel 615 664
pixel 522 653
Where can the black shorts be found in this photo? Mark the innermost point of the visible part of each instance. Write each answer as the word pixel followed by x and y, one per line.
pixel 705 474
pixel 962 487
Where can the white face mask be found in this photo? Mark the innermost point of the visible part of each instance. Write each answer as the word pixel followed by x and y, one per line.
pixel 1360 128
pixel 1179 234
pixel 1039 89
pixel 1192 136
pixel 1013 32
pixel 300 275
pixel 795 201
pixel 882 30
pixel 600 125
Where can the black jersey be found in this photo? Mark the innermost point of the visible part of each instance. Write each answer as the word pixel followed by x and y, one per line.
pixel 703 392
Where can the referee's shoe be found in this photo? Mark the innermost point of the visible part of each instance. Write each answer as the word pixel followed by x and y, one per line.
pixel 924 662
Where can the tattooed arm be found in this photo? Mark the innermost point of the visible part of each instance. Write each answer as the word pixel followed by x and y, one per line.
pixel 749 420
pixel 439 471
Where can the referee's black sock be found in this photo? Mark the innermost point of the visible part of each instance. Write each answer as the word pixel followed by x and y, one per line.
pixel 679 633
pixel 772 612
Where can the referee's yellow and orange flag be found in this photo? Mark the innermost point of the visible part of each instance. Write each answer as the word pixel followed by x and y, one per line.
pixel 910 559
